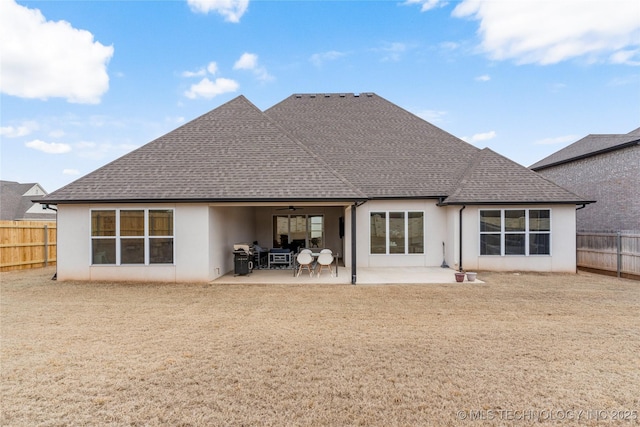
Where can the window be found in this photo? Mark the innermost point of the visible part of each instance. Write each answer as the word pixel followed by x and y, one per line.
pixel 132 236
pixel 103 237
pixel 298 231
pixel 397 232
pixel 515 232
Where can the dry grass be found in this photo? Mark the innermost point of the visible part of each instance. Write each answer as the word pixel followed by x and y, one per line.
pixel 125 354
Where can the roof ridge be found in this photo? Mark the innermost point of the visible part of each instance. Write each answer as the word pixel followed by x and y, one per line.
pixel 457 187
pixel 315 155
pixel 620 141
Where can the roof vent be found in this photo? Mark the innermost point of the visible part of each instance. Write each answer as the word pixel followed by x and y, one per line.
pixel 357 95
pixel 342 95
pixel 298 96
pixel 312 95
pixel 369 95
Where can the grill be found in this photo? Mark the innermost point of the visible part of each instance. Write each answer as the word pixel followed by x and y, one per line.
pixel 242 259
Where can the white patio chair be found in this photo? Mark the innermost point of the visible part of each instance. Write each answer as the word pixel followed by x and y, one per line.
pixel 324 262
pixel 304 260
pixel 306 251
pixel 326 251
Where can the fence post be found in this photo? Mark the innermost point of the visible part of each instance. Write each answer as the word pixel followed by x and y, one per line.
pixel 46 245
pixel 619 252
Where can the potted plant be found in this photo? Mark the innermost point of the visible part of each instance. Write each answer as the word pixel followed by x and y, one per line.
pixel 471 276
pixel 459 276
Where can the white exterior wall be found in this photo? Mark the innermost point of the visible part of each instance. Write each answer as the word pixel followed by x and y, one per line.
pixel 563 242
pixel 435 233
pixel 191 247
pixel 228 225
pixel 442 225
pixel 204 237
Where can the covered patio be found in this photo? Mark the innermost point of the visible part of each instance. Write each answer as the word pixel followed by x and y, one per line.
pixel 366 276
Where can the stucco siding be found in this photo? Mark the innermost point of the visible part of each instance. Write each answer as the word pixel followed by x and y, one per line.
pixel 191 247
pixel 74 245
pixel 563 243
pixel 435 222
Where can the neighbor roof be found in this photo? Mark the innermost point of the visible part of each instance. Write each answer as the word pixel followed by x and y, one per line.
pixel 590 145
pixel 16 200
pixel 310 147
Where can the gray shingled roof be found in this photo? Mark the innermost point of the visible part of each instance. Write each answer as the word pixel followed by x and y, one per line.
pixel 14 204
pixel 588 146
pixel 379 147
pixel 311 147
pixel 492 178
pixel 234 152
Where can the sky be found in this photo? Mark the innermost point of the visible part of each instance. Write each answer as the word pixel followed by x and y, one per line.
pixel 85 82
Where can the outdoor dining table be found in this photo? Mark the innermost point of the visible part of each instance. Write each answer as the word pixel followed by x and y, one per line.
pixel 315 256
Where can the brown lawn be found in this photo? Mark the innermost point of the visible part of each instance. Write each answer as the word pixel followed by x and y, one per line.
pixel 517 350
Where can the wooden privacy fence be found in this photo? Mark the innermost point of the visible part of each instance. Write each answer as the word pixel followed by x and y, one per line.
pixel 27 244
pixel 616 252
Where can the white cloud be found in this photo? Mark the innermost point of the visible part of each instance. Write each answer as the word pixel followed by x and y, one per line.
pixel 249 61
pixel 199 73
pixel 49 147
pixel 480 137
pixel 17 131
pixel 557 140
pixel 393 51
pixel 43 59
pixel 98 151
pixel 432 116
pixel 449 45
pixel 318 59
pixel 231 10
pixel 626 57
pixel 624 80
pixel 72 172
pixel 212 68
pixel 57 133
pixel 85 144
pixel 483 78
pixel 427 4
pixel 208 89
pixel 548 32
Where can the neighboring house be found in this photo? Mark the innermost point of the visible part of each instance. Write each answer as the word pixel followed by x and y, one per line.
pixel 603 168
pixel 17 202
pixel 351 172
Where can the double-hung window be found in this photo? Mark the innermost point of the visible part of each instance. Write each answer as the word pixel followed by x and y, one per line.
pixel 132 236
pixel 397 232
pixel 515 232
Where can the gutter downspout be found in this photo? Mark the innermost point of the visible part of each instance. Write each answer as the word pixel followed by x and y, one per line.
pixel 353 239
pixel 460 236
pixel 353 244
pixel 584 205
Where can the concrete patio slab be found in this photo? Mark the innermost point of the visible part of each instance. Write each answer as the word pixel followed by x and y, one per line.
pixel 365 276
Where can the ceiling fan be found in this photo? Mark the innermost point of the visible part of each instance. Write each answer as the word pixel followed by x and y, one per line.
pixel 290 208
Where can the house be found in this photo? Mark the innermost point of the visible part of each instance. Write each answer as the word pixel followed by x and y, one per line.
pixel 352 172
pixel 17 202
pixel 605 168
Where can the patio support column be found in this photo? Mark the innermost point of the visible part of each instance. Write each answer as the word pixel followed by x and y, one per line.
pixel 353 244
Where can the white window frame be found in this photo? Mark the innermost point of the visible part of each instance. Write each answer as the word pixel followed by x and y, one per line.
pixel 118 238
pixel 527 232
pixel 406 231
pixel 308 229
